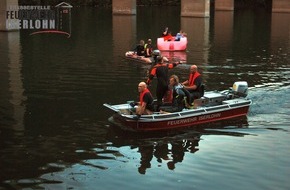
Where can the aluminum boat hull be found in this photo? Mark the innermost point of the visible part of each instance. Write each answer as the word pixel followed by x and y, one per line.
pixel 188 117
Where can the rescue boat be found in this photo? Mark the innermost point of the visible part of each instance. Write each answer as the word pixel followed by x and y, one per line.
pixel 172 45
pixel 131 55
pixel 213 106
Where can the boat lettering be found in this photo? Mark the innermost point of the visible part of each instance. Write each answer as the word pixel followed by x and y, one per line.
pixel 211 116
pixel 182 121
pixel 190 120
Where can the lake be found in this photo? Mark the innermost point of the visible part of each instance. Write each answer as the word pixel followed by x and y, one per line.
pixel 54 130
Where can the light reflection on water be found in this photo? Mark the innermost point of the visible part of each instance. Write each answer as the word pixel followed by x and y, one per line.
pixel 52 98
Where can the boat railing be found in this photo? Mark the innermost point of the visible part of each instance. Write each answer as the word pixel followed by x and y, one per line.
pixel 111 107
pixel 192 111
pixel 240 104
pixel 217 107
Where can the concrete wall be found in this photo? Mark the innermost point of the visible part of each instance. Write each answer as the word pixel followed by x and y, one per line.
pixel 125 7
pixel 280 29
pixel 11 80
pixel 197 30
pixel 124 32
pixel 281 6
pixel 195 8
pixel 224 5
pixel 4 6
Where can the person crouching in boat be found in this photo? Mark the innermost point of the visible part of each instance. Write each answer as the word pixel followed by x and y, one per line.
pixel 145 104
pixel 180 96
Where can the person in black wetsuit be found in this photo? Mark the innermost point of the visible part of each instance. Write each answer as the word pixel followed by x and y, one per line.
pixel 140 49
pixel 180 96
pixel 160 70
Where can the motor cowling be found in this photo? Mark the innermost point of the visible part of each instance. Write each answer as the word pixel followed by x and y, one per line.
pixel 240 88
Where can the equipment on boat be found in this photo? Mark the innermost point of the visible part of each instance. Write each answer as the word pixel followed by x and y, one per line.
pixel 240 88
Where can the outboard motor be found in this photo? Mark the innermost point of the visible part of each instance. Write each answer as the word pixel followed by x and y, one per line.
pixel 240 88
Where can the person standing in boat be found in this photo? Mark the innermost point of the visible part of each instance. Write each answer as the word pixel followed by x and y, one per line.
pixel 194 83
pixel 145 104
pixel 160 70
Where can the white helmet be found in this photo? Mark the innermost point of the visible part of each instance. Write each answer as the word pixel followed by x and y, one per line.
pixel 156 52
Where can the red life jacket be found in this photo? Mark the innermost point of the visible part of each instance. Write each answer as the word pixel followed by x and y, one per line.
pixel 142 95
pixel 168 38
pixel 153 71
pixel 192 78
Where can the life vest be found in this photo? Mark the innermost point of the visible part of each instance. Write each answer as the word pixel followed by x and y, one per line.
pixel 192 78
pixel 142 95
pixel 164 75
pixel 168 38
pixel 168 96
pixel 150 49
pixel 153 71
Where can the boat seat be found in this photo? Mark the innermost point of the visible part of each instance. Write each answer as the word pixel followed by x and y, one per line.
pixel 201 90
pixel 196 95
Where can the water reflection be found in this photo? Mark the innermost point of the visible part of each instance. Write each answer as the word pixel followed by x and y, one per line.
pixel 197 30
pixel 53 88
pixel 223 32
pixel 170 152
pixel 241 49
pixel 170 147
pixel 280 31
pixel 175 56
pixel 33 153
pixel 124 34
pixel 11 73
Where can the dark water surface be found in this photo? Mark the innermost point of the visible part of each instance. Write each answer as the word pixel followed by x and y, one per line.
pixel 54 132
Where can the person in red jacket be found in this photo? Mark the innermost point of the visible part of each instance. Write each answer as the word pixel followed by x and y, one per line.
pixel 145 104
pixel 168 37
pixel 194 83
pixel 160 70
